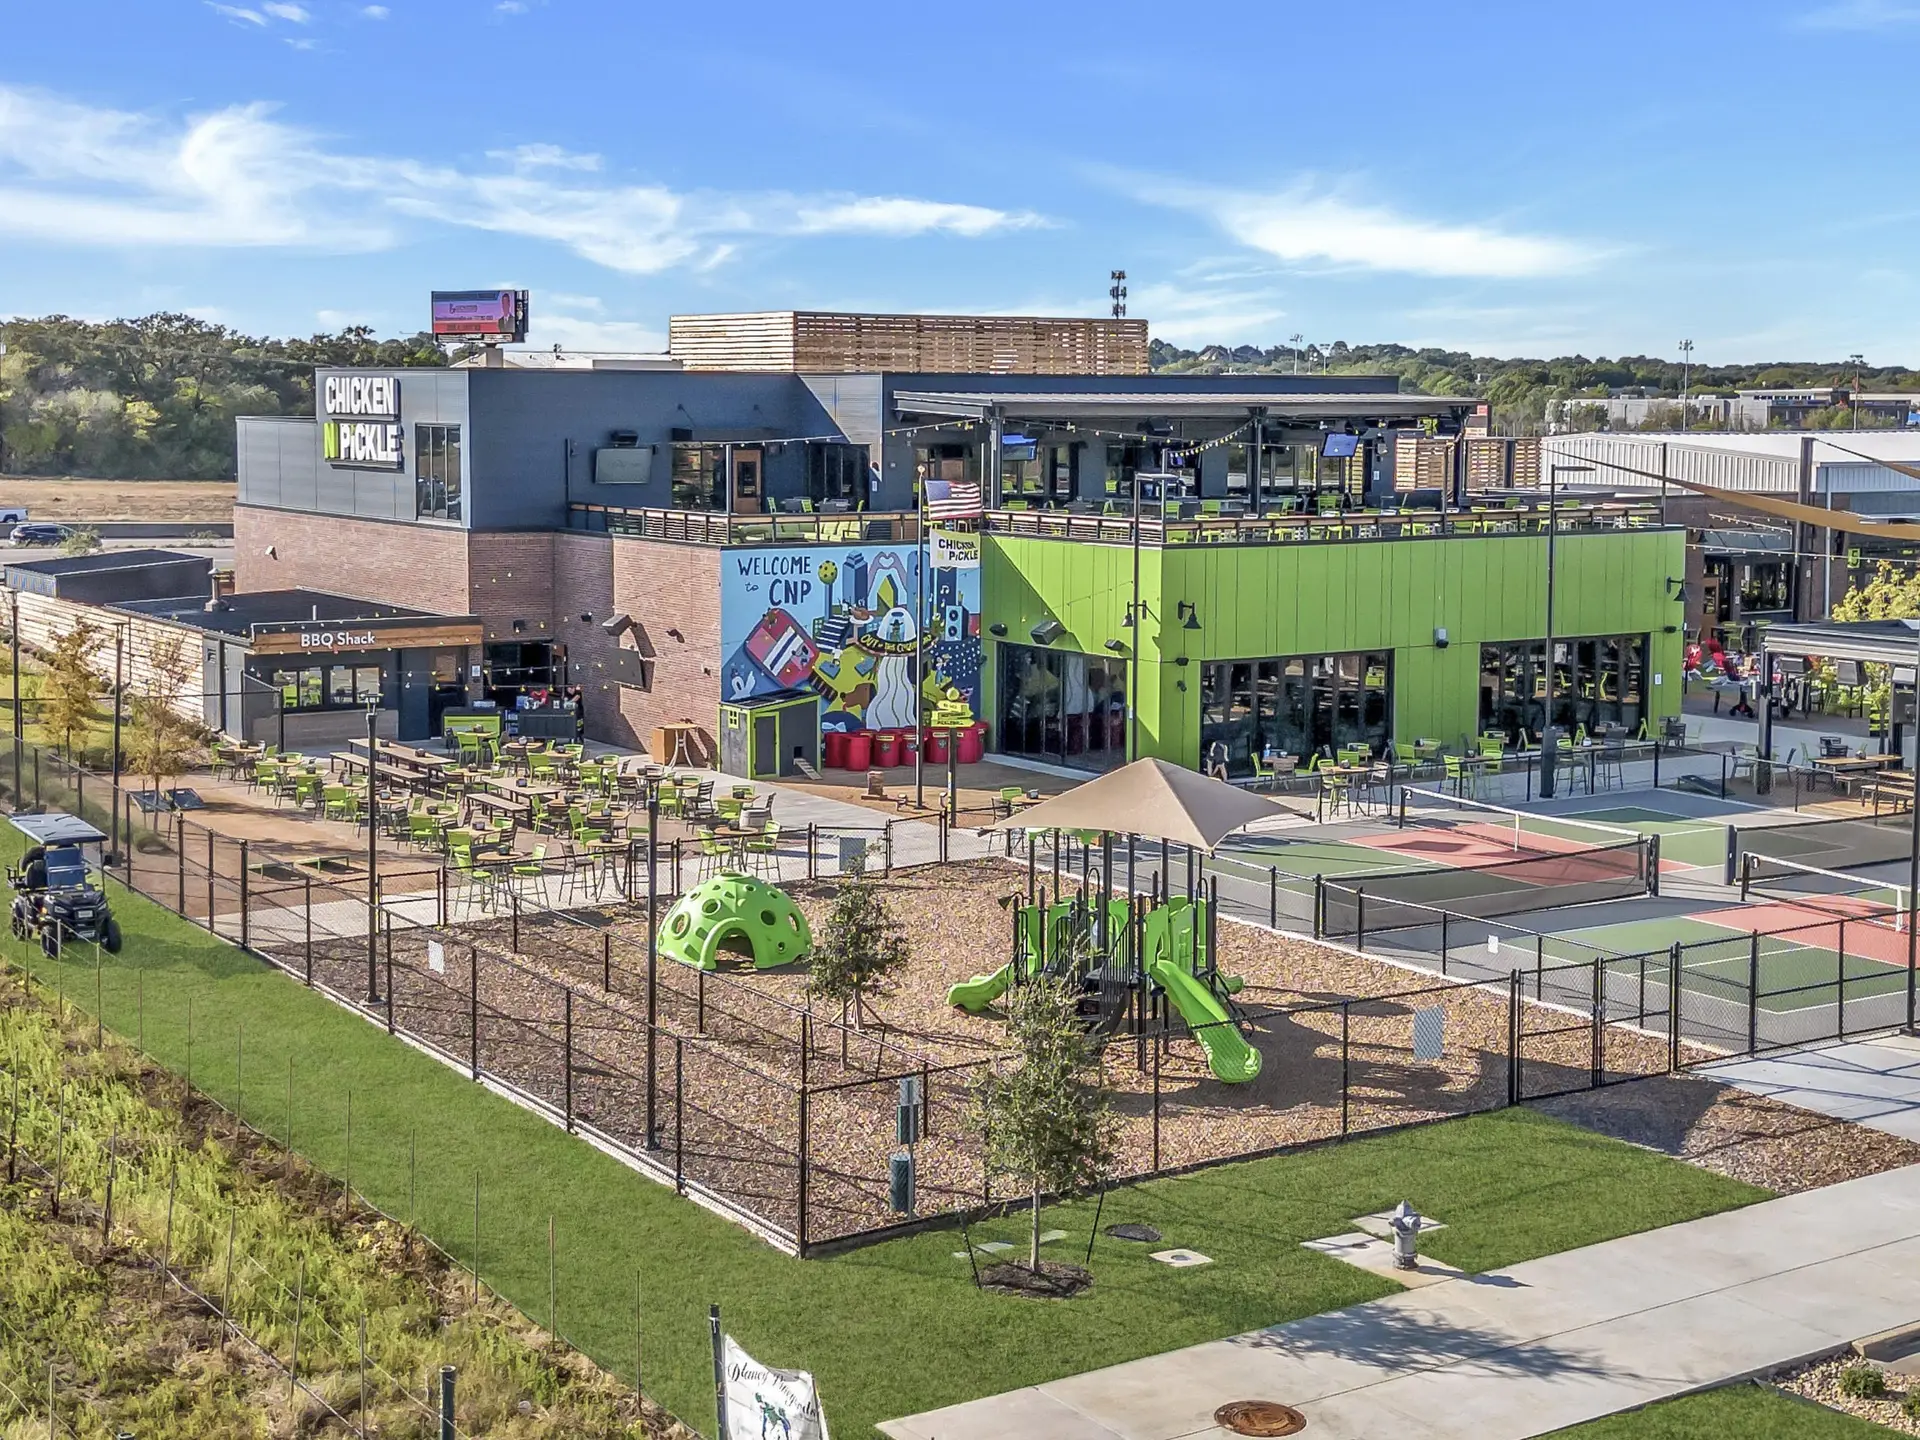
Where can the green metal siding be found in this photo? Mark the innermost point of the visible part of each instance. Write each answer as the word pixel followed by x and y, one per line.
pixel 1255 601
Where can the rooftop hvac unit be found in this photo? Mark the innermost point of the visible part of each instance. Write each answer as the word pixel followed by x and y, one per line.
pixel 624 439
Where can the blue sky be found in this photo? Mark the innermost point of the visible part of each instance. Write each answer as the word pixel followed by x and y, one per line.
pixel 1518 178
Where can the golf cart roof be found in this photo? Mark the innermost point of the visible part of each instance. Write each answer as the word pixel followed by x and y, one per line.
pixel 58 828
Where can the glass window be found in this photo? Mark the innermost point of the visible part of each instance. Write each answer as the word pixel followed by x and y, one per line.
pixel 436 472
pixel 1597 682
pixel 1237 470
pixel 836 472
pixel 699 476
pixel 1062 706
pixel 328 687
pixel 1295 705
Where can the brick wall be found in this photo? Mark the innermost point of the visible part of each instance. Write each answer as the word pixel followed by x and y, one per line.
pixel 510 576
pixel 422 567
pixel 668 587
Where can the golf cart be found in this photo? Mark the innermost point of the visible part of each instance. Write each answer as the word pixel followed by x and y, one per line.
pixel 58 893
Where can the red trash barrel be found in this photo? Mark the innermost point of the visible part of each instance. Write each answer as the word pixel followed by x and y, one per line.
pixel 836 743
pixel 937 747
pixel 972 742
pixel 886 749
pixel 859 749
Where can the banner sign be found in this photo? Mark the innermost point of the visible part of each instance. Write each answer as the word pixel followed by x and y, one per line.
pixel 952 550
pixel 768 1404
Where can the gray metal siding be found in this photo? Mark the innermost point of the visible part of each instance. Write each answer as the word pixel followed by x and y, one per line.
pixel 533 435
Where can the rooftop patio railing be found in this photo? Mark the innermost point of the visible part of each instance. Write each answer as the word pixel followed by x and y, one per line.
pixel 712 527
pixel 1191 523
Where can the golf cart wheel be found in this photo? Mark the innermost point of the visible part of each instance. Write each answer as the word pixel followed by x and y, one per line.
pixel 110 937
pixel 18 926
pixel 50 942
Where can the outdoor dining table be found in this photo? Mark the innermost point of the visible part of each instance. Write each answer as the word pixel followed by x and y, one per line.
pixel 1841 769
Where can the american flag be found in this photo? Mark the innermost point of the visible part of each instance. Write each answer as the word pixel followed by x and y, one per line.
pixel 954 500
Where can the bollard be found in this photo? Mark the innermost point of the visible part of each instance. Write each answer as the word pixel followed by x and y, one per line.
pixel 446 1403
pixel 900 1183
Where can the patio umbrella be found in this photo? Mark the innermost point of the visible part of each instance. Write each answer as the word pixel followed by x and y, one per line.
pixel 1153 799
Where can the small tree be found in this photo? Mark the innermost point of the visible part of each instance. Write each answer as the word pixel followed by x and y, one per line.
pixel 68 691
pixel 163 738
pixel 860 947
pixel 1046 1116
pixel 81 540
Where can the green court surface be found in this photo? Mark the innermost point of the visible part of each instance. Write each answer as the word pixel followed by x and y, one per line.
pixel 1316 857
pixel 1685 839
pixel 1716 961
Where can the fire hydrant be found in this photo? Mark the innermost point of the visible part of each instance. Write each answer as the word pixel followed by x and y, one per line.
pixel 1405 1223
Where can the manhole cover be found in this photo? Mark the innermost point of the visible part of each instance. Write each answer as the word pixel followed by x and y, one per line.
pixel 1260 1417
pixel 1134 1232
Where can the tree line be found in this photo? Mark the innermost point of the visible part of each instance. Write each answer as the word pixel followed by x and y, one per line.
pixel 155 398
pixel 1520 390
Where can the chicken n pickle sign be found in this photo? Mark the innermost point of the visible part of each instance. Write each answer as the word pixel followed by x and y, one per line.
pixel 362 424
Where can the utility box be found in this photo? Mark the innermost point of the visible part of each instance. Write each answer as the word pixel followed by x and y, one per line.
pixel 771 736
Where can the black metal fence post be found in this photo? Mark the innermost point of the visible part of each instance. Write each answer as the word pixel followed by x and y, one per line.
pixel 566 1042
pixel 473 1011
pixel 679 1116
pixel 1319 906
pixel 246 887
pixel 308 880
pixel 1273 898
pixel 1345 1050
pixel 1360 918
pixel 1840 983
pixel 1599 1025
pixel 1445 916
pixel 805 1156
pixel 1513 1037
pixel 1673 1009
pixel 1753 993
pixel 387 917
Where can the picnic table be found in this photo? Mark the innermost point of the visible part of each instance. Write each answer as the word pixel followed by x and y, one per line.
pixel 420 761
pixel 1844 769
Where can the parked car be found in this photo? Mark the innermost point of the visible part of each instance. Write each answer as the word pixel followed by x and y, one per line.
pixel 39 532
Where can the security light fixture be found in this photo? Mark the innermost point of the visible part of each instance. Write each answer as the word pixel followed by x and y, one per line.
pixel 1181 660
pixel 1047 631
pixel 996 629
pixel 519 627
pixel 1118 647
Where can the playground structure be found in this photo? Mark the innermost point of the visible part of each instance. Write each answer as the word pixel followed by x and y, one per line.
pixel 733 910
pixel 1132 957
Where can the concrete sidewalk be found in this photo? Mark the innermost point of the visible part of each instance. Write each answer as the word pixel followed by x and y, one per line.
pixel 1870 1082
pixel 1546 1344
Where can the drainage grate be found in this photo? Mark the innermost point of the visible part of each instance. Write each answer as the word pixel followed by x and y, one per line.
pixel 1260 1417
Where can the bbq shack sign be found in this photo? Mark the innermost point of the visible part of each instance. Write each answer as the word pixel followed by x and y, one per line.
pixel 362 424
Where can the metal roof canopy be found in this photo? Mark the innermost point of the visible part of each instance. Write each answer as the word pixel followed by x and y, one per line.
pixel 1876 642
pixel 58 828
pixel 1218 405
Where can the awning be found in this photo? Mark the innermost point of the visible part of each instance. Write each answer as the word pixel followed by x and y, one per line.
pixel 1233 405
pixel 1876 642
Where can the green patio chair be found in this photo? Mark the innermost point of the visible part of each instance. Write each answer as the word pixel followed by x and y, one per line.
pixel 763 850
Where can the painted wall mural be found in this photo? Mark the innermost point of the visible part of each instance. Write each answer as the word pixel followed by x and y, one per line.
pixel 839 620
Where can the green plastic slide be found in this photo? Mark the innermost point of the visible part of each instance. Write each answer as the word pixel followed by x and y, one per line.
pixel 1229 1055
pixel 981 991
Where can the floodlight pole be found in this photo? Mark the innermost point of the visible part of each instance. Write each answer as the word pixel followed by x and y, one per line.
pixel 1913 844
pixel 373 864
pixel 19 731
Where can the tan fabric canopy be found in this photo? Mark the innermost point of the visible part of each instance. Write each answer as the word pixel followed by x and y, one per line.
pixel 1153 799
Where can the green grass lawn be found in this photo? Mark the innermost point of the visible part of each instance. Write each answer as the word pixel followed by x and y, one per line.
pixel 889 1329
pixel 1749 1412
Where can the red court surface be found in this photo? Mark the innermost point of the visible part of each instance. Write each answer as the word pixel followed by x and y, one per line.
pixel 1469 844
pixel 1816 925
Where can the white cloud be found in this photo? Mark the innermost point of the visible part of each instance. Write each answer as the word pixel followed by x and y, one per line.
pixel 1860 15
pixel 555 321
pixel 1311 225
pixel 893 215
pixel 292 14
pixel 511 7
pixel 239 14
pixel 375 12
pixel 239 177
pixel 1206 315
pixel 539 157
pixel 1300 226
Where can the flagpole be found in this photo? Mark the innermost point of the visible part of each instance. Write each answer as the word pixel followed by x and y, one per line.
pixel 919 655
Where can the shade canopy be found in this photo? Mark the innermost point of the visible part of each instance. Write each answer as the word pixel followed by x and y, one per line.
pixel 1153 799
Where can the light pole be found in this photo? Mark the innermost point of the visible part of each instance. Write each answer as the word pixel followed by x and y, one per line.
pixel 373 860
pixel 1913 843
pixel 1857 362
pixel 1133 640
pixel 1294 341
pixel 1547 741
pixel 1686 378
pixel 19 730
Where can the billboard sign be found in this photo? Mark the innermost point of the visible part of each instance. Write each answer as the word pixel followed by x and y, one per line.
pixel 491 317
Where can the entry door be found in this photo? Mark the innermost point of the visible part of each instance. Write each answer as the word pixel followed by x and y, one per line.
pixel 766 745
pixel 747 490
